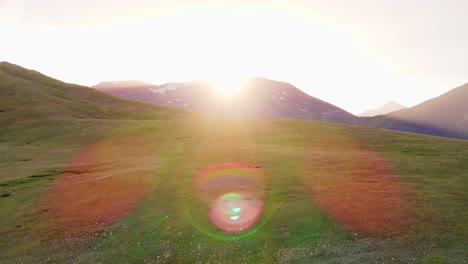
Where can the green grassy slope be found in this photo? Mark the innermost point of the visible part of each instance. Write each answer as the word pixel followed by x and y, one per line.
pixel 27 94
pixel 41 113
pixel 88 178
pixel 152 211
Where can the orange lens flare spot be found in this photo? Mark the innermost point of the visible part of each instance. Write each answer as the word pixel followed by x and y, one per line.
pixel 102 184
pixel 362 191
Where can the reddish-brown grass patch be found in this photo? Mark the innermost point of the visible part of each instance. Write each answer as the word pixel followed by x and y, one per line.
pixel 355 186
pixel 103 183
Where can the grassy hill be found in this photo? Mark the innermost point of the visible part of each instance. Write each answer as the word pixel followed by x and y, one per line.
pixel 83 189
pixel 54 119
pixel 129 191
pixel 29 95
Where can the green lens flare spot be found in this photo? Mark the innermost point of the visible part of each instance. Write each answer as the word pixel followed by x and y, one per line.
pixel 234 217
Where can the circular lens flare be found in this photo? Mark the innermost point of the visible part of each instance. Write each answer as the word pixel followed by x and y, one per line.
pixel 233 193
pixel 235 212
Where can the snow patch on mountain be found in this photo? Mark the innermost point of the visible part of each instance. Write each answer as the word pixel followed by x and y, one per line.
pixel 163 90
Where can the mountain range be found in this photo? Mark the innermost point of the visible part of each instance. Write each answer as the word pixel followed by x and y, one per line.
pixel 92 178
pixel 28 93
pixel 445 115
pixel 257 97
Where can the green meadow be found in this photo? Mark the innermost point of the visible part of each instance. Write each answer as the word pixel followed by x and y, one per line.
pixel 122 191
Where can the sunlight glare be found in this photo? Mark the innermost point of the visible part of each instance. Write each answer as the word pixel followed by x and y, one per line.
pixel 228 85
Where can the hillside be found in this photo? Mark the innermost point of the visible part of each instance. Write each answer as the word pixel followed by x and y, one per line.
pixel 224 190
pixel 78 187
pixel 446 115
pixel 27 94
pixel 385 109
pixel 258 97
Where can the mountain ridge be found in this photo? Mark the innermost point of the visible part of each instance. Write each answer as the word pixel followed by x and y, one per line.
pixel 445 115
pixel 27 93
pixel 258 97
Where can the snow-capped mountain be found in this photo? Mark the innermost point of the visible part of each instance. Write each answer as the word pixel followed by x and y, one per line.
pixel 257 97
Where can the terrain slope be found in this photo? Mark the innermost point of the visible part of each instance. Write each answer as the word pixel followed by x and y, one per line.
pixel 446 115
pixel 95 182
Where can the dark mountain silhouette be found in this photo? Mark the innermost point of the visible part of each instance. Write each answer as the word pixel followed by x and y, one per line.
pixel 257 97
pixel 446 115
pixel 385 109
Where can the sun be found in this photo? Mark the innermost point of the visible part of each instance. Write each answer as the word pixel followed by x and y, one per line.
pixel 228 85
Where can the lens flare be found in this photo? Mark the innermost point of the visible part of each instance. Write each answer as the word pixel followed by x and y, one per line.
pixel 234 194
pixel 235 212
pixel 362 192
pixel 102 183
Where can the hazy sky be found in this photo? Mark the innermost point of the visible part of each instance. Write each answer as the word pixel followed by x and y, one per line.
pixel 354 54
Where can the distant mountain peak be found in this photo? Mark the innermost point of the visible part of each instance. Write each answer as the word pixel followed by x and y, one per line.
pixel 387 108
pixel 445 115
pixel 394 103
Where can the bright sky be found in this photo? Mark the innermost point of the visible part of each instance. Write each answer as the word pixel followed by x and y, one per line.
pixel 355 54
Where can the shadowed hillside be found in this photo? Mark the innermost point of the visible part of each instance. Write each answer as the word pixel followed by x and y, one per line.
pixel 446 115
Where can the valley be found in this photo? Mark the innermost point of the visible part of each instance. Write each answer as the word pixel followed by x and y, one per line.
pixel 85 181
